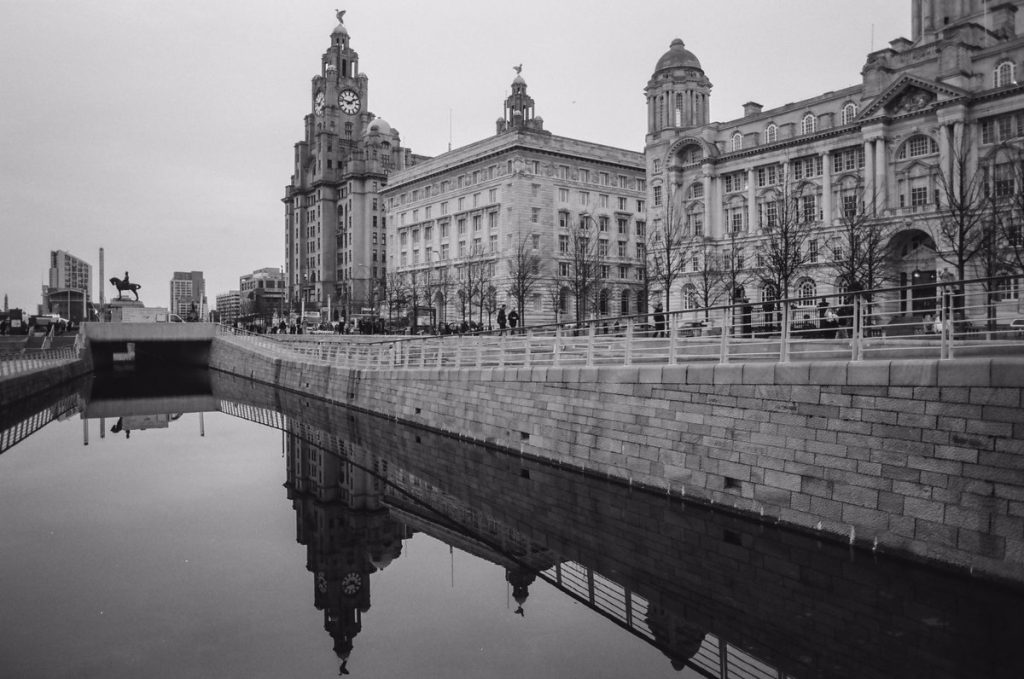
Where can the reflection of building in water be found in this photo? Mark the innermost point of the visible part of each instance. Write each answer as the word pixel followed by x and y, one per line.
pixel 430 510
pixel 341 520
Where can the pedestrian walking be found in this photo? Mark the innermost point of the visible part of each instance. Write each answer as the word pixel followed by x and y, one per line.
pixel 513 320
pixel 502 320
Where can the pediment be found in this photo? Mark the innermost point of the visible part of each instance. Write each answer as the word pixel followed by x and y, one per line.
pixel 910 94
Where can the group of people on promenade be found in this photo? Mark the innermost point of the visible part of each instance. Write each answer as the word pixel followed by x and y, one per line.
pixel 509 320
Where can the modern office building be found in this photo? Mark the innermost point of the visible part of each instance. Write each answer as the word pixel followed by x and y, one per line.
pixel 69 289
pixel 461 225
pixel 188 295
pixel 228 307
pixel 263 295
pixel 931 115
pixel 334 227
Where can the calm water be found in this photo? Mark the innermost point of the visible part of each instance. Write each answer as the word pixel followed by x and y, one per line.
pixel 282 537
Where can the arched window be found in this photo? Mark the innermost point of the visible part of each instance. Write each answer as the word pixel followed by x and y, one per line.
pixel 808 124
pixel 1003 75
pixel 771 133
pixel 918 145
pixel 563 300
pixel 602 302
pixel 805 292
pixel 849 113
pixel 624 303
pixel 737 141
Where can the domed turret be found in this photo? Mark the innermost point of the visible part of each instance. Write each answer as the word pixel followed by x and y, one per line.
pixel 677 57
pixel 678 93
pixel 378 126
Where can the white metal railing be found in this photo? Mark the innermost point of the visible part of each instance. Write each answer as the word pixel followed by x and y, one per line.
pixel 29 360
pixel 940 320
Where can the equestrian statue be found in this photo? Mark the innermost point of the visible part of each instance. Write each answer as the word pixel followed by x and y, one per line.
pixel 125 285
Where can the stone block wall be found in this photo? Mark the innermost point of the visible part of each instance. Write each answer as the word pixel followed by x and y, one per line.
pixel 924 457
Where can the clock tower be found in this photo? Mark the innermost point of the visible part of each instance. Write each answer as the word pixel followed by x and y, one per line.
pixel 334 221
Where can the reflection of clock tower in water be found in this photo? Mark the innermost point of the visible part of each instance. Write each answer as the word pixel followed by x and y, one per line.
pixel 334 225
pixel 344 524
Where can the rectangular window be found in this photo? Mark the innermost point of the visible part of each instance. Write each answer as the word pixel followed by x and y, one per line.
pixel 563 219
pixel 812 251
pixel 476 223
pixel 584 197
pixel 602 223
pixel 622 203
pixel 849 206
pixel 641 228
pixel 602 200
pixel 535 215
pixel 563 195
pixel 622 248
pixel 623 224
pixel 808 208
pixel 585 176
pixel 623 271
pixel 492 196
pixel 444 229
pixel 462 226
pixel 563 269
pixel 918 196
pixel 563 243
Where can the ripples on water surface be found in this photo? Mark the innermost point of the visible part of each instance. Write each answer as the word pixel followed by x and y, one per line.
pixel 211 545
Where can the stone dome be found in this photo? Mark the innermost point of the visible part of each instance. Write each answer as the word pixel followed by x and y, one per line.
pixel 677 57
pixel 378 126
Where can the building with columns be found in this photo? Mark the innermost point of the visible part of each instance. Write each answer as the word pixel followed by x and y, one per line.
pixel 523 192
pixel 882 151
pixel 334 227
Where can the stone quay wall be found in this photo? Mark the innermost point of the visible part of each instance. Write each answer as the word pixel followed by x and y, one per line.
pixel 799 603
pixel 921 457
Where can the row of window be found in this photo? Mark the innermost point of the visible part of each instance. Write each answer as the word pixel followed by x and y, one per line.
pixel 603 200
pixel 808 125
pixel 603 222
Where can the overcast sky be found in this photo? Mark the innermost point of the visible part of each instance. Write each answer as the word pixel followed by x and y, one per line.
pixel 163 131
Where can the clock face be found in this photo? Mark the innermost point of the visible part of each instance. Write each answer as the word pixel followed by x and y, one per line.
pixel 351 583
pixel 348 100
pixel 318 103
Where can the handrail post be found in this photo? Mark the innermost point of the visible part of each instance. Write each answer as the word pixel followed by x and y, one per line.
pixel 501 351
pixel 478 340
pixel 943 322
pixel 526 347
pixel 727 321
pixel 627 357
pixel 590 344
pixel 556 349
pixel 857 334
pixel 784 334
pixel 672 332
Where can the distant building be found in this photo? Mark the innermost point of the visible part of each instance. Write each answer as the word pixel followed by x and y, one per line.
pixel 459 223
pixel 69 291
pixel 881 153
pixel 262 295
pixel 334 227
pixel 228 307
pixel 188 295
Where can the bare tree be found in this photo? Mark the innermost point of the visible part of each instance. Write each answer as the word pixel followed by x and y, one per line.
pixel 553 292
pixel 395 292
pixel 584 263
pixel 477 275
pixel 524 271
pixel 709 273
pixel 788 224
pixel 963 209
pixel 859 254
pixel 666 247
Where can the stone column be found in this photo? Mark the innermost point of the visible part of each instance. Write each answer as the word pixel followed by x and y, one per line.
pixel 826 189
pixel 881 195
pixel 869 177
pixel 751 202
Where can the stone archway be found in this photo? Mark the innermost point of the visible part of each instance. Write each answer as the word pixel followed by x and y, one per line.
pixel 914 257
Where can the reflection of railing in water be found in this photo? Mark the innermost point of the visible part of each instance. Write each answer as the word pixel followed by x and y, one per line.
pixel 16 433
pixel 714 659
pixel 269 418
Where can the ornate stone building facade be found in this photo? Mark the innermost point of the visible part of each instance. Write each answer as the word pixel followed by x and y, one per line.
pixel 334 227
pixel 462 224
pixel 930 115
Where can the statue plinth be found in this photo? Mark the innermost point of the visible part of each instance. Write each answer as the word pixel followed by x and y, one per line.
pixel 122 303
